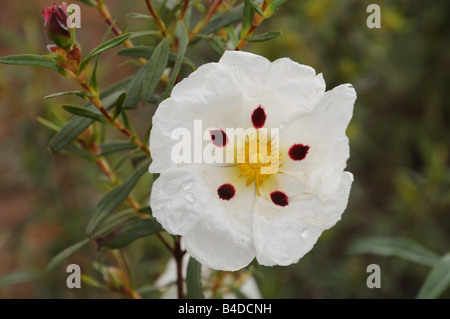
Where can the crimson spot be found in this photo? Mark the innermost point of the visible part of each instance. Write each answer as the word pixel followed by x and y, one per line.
pixel 298 151
pixel 219 138
pixel 226 191
pixel 279 198
pixel 259 117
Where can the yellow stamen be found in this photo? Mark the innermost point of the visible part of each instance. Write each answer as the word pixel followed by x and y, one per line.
pixel 258 158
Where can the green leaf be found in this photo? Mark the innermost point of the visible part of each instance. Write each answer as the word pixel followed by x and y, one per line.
pixel 222 20
pixel 93 82
pixel 141 34
pixel 77 93
pixel 247 18
pixel 146 53
pixel 129 232
pixel 232 35
pixel 91 3
pixel 264 37
pixel 183 40
pixel 216 43
pixel 77 124
pixel 255 7
pixel 83 112
pixel 31 59
pixel 17 278
pixel 114 198
pixel 92 282
pixel 272 7
pixel 155 68
pixel 104 47
pixel 398 247
pixel 48 124
pixel 115 146
pixel 438 280
pixel 125 159
pixel 65 254
pixel 118 105
pixel 134 90
pixel 135 15
pixel 193 280
pixel 113 221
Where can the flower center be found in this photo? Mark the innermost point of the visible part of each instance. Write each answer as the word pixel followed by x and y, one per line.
pixel 258 158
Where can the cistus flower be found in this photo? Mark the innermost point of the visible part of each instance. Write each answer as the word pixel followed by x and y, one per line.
pixel 270 206
pixel 56 26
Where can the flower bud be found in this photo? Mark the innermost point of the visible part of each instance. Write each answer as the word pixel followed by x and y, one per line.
pixel 56 25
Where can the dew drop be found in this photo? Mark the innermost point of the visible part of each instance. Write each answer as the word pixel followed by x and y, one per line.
pixel 304 233
pixel 188 185
pixel 189 197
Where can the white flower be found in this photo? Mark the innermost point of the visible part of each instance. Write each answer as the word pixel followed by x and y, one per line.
pixel 247 285
pixel 228 214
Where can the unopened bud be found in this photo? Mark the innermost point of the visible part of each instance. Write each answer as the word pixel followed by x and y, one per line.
pixel 56 25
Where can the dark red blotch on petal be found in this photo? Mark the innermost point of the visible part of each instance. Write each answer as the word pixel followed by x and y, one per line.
pixel 259 117
pixel 226 191
pixel 279 198
pixel 219 138
pixel 298 152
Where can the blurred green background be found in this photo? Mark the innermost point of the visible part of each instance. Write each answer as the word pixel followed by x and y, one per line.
pixel 399 139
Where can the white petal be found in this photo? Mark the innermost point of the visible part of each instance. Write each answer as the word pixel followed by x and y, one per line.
pixel 210 95
pixel 171 202
pixel 217 232
pixel 284 88
pixel 323 130
pixel 283 235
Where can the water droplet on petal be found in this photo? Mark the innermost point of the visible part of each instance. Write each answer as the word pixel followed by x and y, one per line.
pixel 189 197
pixel 304 233
pixel 188 185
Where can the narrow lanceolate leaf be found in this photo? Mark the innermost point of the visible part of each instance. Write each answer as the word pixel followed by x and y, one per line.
pixel 94 114
pixel 134 15
pixel 222 20
pixel 437 281
pixel 398 247
pixel 193 280
pixel 255 7
pixel 141 34
pixel 118 105
pixel 129 232
pixel 217 44
pixel 77 93
pixel 134 90
pixel 115 146
pixel 247 18
pixel 93 82
pixel 48 124
pixel 77 124
pixel 32 60
pixel 263 37
pixel 272 7
pixel 65 254
pixel 183 41
pixel 155 68
pixel 146 53
pixel 114 221
pixel 104 47
pixel 113 199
